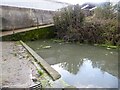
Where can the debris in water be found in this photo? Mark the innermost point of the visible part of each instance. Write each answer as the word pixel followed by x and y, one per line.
pixel 34 79
pixel 111 52
pixel 106 54
pixel 38 48
pixel 41 45
pixel 60 43
pixel 108 48
pixel 46 47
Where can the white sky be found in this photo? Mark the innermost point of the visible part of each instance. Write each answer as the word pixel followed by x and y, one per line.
pixel 46 4
pixel 81 1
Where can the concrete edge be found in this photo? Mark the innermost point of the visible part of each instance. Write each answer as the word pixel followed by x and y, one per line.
pixel 52 72
pixel 10 32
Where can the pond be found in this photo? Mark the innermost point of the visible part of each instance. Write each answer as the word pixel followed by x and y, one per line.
pixel 82 66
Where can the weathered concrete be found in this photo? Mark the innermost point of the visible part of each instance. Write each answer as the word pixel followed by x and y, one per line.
pixel 15 17
pixel 52 72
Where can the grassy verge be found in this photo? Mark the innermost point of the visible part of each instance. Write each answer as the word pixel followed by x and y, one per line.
pixel 109 46
pixel 101 45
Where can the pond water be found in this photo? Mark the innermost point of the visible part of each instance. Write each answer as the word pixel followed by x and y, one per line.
pixel 82 66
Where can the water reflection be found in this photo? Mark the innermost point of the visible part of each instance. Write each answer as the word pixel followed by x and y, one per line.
pixel 87 76
pixel 81 65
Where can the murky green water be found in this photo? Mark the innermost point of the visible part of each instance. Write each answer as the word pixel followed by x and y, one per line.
pixel 81 65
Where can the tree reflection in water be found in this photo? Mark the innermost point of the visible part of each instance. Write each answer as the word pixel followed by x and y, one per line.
pixel 81 64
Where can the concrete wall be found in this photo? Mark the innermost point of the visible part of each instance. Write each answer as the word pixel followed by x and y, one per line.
pixel 14 17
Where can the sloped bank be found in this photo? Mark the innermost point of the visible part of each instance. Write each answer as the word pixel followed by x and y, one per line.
pixel 35 34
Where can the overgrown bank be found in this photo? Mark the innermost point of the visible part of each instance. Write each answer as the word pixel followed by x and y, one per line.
pixel 99 28
pixel 42 33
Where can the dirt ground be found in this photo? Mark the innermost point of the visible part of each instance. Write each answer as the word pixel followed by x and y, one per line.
pixel 17 69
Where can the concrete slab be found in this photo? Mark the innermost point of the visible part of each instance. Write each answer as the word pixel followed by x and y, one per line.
pixel 52 72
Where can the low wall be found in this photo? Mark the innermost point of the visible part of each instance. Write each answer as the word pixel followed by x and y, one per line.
pixel 15 17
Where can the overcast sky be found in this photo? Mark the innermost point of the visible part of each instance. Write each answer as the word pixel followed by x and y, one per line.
pixel 83 1
pixel 46 4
